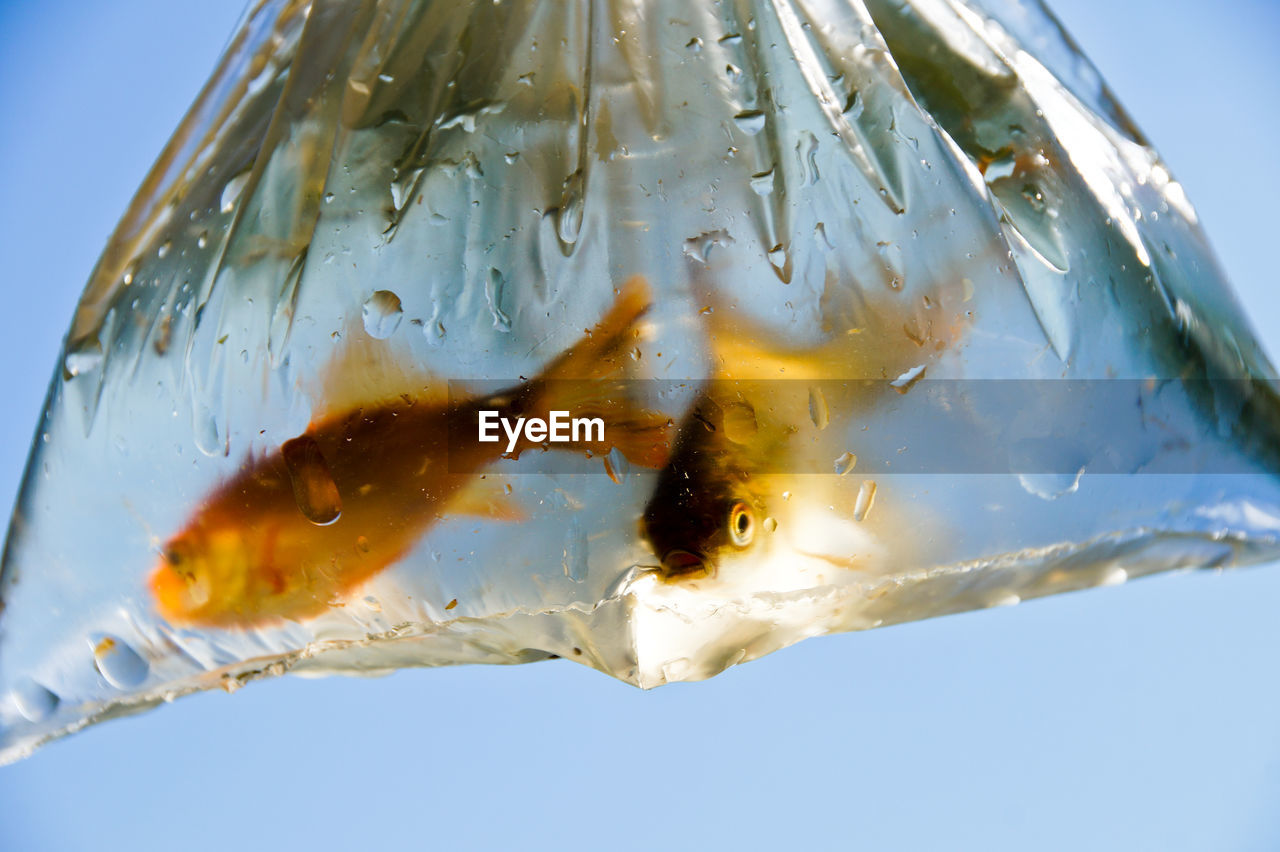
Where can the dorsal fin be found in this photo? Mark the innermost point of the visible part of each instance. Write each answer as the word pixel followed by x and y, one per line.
pixel 364 370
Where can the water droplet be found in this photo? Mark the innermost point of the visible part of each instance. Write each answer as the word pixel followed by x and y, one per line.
pixel 382 314
pixel 1005 599
pixel 163 251
pixel 402 188
pixel 694 44
pixel 433 329
pixel 770 525
pixel 891 256
pixel 845 463
pixel 130 272
pixel 314 490
pixel 903 383
pixel 83 356
pixel 493 288
pixel 202 241
pixel 781 263
pixel 372 604
pixel 122 666
pixel 362 544
pixel 575 551
pixel 511 156
pixel 34 702
pixel 616 465
pixel 786 495
pixel 807 155
pixel 866 496
pixel 762 183
pixel 209 436
pixel 231 192
pixel 569 214
pixel 853 106
pixel 730 38
pixel 818 412
pixel 1050 486
pixel 699 247
pixel 740 422
pixel 750 121
pixel 820 235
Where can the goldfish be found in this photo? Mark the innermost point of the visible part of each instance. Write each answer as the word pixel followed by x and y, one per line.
pixel 738 471
pixel 298 529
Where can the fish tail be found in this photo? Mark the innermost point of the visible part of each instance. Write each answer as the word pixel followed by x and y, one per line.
pixel 585 382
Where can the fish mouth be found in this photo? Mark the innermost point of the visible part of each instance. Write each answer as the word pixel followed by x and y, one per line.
pixel 684 563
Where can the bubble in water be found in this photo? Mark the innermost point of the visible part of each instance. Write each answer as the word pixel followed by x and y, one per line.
pixel 818 412
pixel 866 496
pixel 845 463
pixel 314 490
pixel 382 314
pixel 34 702
pixel 122 666
pixel 770 525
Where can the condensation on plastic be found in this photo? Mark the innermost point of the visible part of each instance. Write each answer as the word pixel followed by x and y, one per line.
pixel 466 185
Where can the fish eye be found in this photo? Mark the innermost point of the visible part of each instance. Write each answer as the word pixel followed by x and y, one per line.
pixel 173 556
pixel 742 524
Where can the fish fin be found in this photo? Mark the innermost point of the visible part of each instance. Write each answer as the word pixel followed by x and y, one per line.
pixel 602 351
pixel 486 497
pixel 585 382
pixel 641 434
pixel 364 370
pixel 863 338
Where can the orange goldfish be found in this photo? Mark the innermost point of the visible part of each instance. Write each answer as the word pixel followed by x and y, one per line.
pixel 298 529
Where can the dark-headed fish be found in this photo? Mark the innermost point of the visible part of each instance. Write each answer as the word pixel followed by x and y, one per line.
pixel 298 529
pixel 747 453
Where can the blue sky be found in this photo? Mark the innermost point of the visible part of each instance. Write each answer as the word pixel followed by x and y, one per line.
pixel 1142 716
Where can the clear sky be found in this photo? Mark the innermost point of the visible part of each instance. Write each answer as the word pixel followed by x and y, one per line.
pixel 1140 717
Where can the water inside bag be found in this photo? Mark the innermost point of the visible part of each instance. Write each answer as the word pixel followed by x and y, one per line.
pixel 886 308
